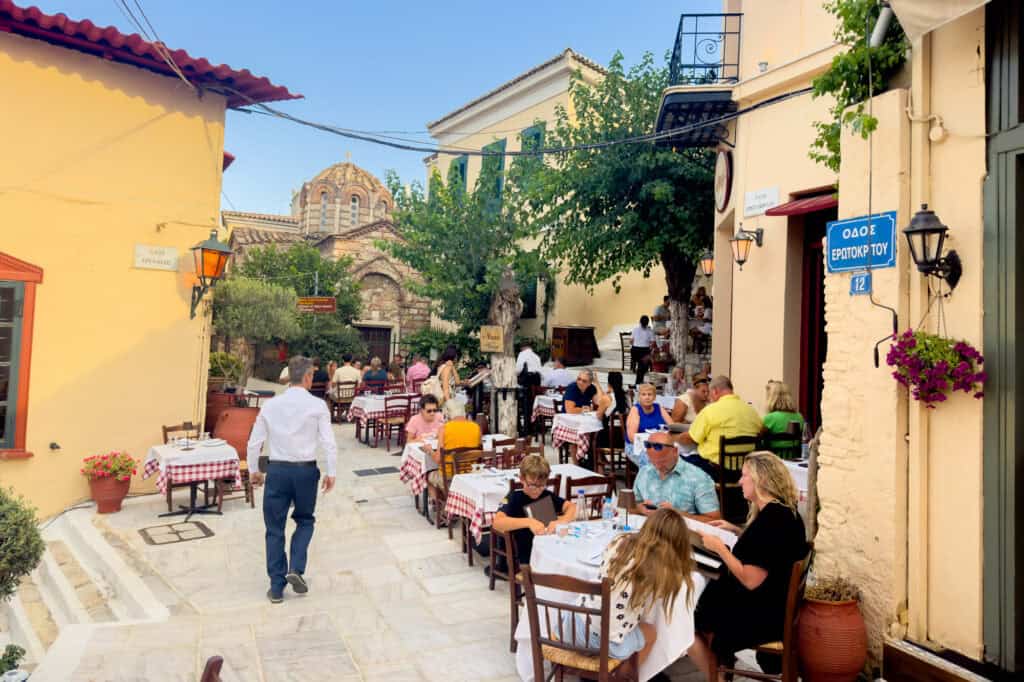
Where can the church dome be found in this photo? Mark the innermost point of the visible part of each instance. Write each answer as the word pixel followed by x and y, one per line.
pixel 347 173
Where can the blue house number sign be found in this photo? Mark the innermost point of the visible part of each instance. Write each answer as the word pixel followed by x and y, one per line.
pixel 860 284
pixel 864 243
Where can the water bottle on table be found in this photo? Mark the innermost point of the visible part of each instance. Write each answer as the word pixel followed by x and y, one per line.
pixel 607 514
pixel 581 507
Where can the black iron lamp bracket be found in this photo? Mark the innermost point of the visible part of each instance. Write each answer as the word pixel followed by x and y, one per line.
pixel 197 296
pixel 949 269
pixel 756 235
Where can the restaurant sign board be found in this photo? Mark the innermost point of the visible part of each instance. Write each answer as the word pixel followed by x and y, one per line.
pixel 156 257
pixel 759 201
pixel 864 243
pixel 317 304
pixel 492 340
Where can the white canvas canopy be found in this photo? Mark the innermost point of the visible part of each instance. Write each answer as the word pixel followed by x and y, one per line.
pixel 918 17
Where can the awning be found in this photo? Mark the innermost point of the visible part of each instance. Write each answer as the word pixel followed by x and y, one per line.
pixel 806 205
pixel 918 17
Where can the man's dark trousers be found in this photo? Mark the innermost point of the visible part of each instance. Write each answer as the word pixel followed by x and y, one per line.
pixel 288 484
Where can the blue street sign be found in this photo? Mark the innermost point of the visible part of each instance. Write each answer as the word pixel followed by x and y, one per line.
pixel 853 244
pixel 860 284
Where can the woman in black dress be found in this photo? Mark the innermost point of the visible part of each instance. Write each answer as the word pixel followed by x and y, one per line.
pixel 747 605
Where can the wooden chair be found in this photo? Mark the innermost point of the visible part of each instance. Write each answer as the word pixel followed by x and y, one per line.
pixel 559 644
pixel 319 389
pixel 189 430
pixel 414 386
pixel 438 496
pixel 787 648
pixel 395 387
pixel 503 544
pixel 785 445
pixel 211 671
pixel 461 463
pixel 235 426
pixel 502 452
pixel 611 460
pixel 341 401
pixel 546 423
pixel 372 387
pixel 731 452
pixel 593 500
pixel 396 416
pixel 626 344
pixel 481 421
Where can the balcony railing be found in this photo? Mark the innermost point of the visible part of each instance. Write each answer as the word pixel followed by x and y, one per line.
pixel 707 49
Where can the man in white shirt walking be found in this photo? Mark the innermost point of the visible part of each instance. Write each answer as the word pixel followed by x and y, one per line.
pixel 640 350
pixel 292 425
pixel 527 360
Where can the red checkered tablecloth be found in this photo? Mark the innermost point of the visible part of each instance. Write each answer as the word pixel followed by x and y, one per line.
pixel 412 474
pixel 460 505
pixel 186 473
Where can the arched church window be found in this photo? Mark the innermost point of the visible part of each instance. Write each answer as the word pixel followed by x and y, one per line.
pixel 323 211
pixel 354 210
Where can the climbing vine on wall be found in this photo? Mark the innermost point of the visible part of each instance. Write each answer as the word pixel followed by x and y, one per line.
pixel 847 78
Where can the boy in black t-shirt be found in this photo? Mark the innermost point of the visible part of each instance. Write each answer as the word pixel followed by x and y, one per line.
pixel 514 516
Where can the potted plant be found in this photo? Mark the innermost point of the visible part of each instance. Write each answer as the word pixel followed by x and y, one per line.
pixel 831 635
pixel 932 366
pixel 225 369
pixel 109 477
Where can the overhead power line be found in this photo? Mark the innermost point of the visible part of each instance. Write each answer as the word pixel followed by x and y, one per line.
pixel 365 136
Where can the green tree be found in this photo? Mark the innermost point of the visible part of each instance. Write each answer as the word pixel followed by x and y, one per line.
pixel 21 546
pixel 622 208
pixel 327 337
pixel 253 311
pixel 301 268
pixel 847 78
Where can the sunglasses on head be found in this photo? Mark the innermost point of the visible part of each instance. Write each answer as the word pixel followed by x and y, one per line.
pixel 657 447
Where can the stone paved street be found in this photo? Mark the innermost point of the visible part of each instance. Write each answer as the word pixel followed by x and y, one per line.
pixel 390 596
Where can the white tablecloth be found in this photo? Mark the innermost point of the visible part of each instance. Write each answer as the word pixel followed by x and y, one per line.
pixel 580 423
pixel 486 490
pixel 200 454
pixel 675 635
pixel 799 474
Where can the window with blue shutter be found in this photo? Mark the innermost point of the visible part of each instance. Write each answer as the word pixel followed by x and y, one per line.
pixel 495 165
pixel 461 166
pixel 12 298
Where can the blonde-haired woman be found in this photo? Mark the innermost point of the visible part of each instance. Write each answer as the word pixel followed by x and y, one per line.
pixel 747 605
pixel 645 568
pixel 780 408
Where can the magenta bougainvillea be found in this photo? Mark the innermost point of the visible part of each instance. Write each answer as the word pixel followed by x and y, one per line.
pixel 932 366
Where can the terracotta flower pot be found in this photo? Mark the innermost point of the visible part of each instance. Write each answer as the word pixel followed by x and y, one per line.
pixel 832 641
pixel 108 493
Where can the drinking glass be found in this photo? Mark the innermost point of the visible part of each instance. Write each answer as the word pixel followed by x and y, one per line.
pixel 205 435
pixel 563 532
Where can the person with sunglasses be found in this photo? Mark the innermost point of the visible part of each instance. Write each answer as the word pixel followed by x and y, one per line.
pixel 670 482
pixel 427 423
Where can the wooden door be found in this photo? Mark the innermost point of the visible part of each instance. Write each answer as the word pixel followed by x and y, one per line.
pixel 813 340
pixel 378 343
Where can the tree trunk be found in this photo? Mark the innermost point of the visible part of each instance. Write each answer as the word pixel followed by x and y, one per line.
pixel 679 274
pixel 505 311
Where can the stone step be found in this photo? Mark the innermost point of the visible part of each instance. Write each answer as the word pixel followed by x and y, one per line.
pixel 82 583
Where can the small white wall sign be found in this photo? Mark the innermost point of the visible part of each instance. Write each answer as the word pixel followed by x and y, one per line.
pixel 156 257
pixel 759 201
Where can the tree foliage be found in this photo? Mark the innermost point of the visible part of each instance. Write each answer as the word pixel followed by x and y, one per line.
pixel 847 78
pixel 21 546
pixel 460 242
pixel 326 336
pixel 623 208
pixel 298 268
pixel 254 310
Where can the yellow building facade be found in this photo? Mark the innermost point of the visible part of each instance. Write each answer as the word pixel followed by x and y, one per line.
pixel 112 171
pixel 906 493
pixel 500 117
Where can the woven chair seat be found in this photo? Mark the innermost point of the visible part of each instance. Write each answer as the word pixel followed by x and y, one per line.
pixel 392 420
pixel 572 659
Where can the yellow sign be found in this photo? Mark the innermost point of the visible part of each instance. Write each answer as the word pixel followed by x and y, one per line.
pixel 492 340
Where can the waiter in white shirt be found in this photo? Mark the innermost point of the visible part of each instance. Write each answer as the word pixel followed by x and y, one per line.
pixel 640 348
pixel 292 425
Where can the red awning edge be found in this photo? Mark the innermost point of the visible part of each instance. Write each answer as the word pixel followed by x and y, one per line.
pixel 805 205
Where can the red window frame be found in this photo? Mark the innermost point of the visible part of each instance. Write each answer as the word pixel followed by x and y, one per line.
pixel 15 270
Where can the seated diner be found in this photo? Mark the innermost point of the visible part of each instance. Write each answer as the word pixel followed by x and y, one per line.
pixel 514 516
pixel 646 413
pixel 455 433
pixel 669 482
pixel 728 416
pixel 580 396
pixel 746 607
pixel 649 569
pixel 690 402
pixel 427 422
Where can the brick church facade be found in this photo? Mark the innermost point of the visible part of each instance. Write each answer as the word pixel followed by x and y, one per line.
pixel 344 211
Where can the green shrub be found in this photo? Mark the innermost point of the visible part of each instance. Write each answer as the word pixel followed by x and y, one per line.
pixel 11 657
pixel 21 546
pixel 328 338
pixel 227 366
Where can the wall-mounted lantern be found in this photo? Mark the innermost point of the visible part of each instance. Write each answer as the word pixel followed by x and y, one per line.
pixel 925 236
pixel 741 243
pixel 707 263
pixel 211 257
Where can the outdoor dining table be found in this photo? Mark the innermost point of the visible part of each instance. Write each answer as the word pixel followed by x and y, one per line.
pixel 192 463
pixel 575 429
pixel 417 463
pixel 366 408
pixel 477 496
pixel 544 406
pixel 579 557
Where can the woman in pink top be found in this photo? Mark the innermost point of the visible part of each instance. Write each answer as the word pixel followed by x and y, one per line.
pixel 427 423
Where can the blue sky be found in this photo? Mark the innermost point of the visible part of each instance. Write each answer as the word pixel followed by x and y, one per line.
pixel 377 66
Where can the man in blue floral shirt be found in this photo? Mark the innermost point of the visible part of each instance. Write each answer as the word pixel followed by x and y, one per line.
pixel 668 481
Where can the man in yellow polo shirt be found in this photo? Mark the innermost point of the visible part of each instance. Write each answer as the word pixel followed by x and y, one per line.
pixel 727 415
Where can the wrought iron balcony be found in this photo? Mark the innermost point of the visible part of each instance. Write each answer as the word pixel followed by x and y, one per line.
pixel 707 50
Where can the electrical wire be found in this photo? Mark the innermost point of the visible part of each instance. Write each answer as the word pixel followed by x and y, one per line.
pixel 420 148
pixel 153 39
